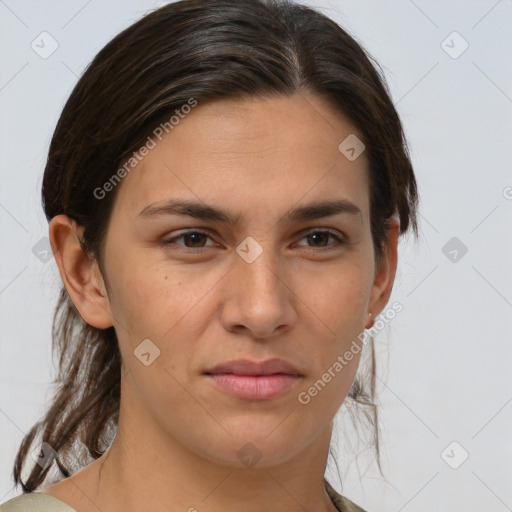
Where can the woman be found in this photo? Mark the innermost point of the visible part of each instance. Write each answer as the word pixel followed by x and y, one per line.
pixel 225 189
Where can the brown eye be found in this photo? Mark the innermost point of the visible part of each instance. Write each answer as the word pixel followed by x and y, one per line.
pixel 320 238
pixel 193 240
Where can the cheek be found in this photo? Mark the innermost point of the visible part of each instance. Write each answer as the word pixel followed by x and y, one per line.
pixel 337 306
pixel 338 298
pixel 158 301
pixel 140 299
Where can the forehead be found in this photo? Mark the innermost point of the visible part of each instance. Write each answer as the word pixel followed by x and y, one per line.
pixel 248 152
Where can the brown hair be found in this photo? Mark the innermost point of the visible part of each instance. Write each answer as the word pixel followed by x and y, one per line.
pixel 207 50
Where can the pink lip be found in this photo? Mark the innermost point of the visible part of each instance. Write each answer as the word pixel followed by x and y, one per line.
pixel 251 387
pixel 253 380
pixel 247 367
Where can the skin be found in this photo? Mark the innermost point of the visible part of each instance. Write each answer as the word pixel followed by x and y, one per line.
pixel 178 436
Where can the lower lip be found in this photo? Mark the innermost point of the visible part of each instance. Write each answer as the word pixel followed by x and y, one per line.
pixel 254 387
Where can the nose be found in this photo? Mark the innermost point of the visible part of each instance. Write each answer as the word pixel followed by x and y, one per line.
pixel 258 299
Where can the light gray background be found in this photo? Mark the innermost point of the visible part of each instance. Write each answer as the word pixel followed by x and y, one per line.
pixel 445 360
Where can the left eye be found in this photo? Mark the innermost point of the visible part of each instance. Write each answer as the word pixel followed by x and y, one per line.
pixel 318 236
pixel 324 235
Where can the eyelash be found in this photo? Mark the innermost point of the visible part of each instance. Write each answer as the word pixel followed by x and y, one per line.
pixel 339 240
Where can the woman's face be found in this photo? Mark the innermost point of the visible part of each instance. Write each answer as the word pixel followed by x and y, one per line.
pixel 188 291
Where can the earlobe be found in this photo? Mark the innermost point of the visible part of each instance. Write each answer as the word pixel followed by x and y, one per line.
pixel 79 272
pixel 385 273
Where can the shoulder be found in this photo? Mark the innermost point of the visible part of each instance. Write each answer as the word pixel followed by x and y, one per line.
pixel 342 503
pixel 35 502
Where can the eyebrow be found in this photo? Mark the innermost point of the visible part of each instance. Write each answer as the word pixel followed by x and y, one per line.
pixel 199 210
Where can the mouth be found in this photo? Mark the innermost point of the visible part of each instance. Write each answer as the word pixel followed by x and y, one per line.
pixel 252 380
pixel 254 387
pixel 255 368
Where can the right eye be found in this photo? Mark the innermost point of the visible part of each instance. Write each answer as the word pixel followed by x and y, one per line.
pixel 195 236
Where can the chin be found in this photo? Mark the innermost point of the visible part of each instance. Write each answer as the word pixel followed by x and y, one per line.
pixel 254 447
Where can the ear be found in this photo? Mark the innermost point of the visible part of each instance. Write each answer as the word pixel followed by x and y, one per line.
pixel 384 273
pixel 80 272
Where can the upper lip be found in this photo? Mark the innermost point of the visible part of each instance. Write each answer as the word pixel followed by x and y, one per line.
pixel 247 367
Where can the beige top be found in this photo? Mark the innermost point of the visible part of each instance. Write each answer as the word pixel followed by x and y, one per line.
pixel 40 502
pixel 342 503
pixel 35 502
